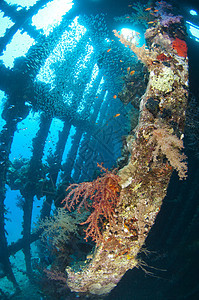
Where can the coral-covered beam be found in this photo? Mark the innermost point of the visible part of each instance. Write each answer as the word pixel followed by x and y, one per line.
pixel 155 151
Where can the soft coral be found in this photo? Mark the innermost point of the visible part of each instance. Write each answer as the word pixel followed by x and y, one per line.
pixel 103 193
pixel 180 46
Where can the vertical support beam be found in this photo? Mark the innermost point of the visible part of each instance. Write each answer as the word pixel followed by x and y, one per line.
pixel 29 189
pixel 72 155
pixel 6 137
pixel 81 157
pixel 54 170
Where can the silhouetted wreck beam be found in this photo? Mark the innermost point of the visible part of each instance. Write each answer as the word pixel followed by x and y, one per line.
pixel 99 149
pixel 64 111
pixel 65 82
pixel 39 52
pixel 29 190
pixel 14 111
pixel 20 244
pixel 81 172
pixel 46 208
pixel 20 18
pixel 4 255
pixel 79 92
pixel 93 100
pixel 81 157
pixel 55 166
pixel 90 128
pixel 72 155
pixel 89 154
pixel 6 138
pixel 95 147
pixel 97 106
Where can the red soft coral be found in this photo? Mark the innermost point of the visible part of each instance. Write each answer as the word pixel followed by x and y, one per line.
pixel 103 194
pixel 163 57
pixel 180 46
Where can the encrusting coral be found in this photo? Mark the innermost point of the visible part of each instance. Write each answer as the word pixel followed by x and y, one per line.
pixel 155 150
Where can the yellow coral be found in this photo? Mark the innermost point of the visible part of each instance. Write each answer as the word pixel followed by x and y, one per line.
pixel 163 81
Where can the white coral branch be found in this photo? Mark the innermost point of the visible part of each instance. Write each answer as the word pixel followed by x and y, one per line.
pixel 170 145
pixel 142 53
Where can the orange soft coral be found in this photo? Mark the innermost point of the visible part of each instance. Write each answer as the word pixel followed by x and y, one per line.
pixel 163 57
pixel 180 46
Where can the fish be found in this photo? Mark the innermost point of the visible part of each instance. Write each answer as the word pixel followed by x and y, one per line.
pixel 128 69
pixel 156 10
pixel 117 115
pixel 115 96
pixel 109 50
pixel 132 72
pixel 148 8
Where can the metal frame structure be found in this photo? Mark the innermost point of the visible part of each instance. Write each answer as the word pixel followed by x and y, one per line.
pixel 91 142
